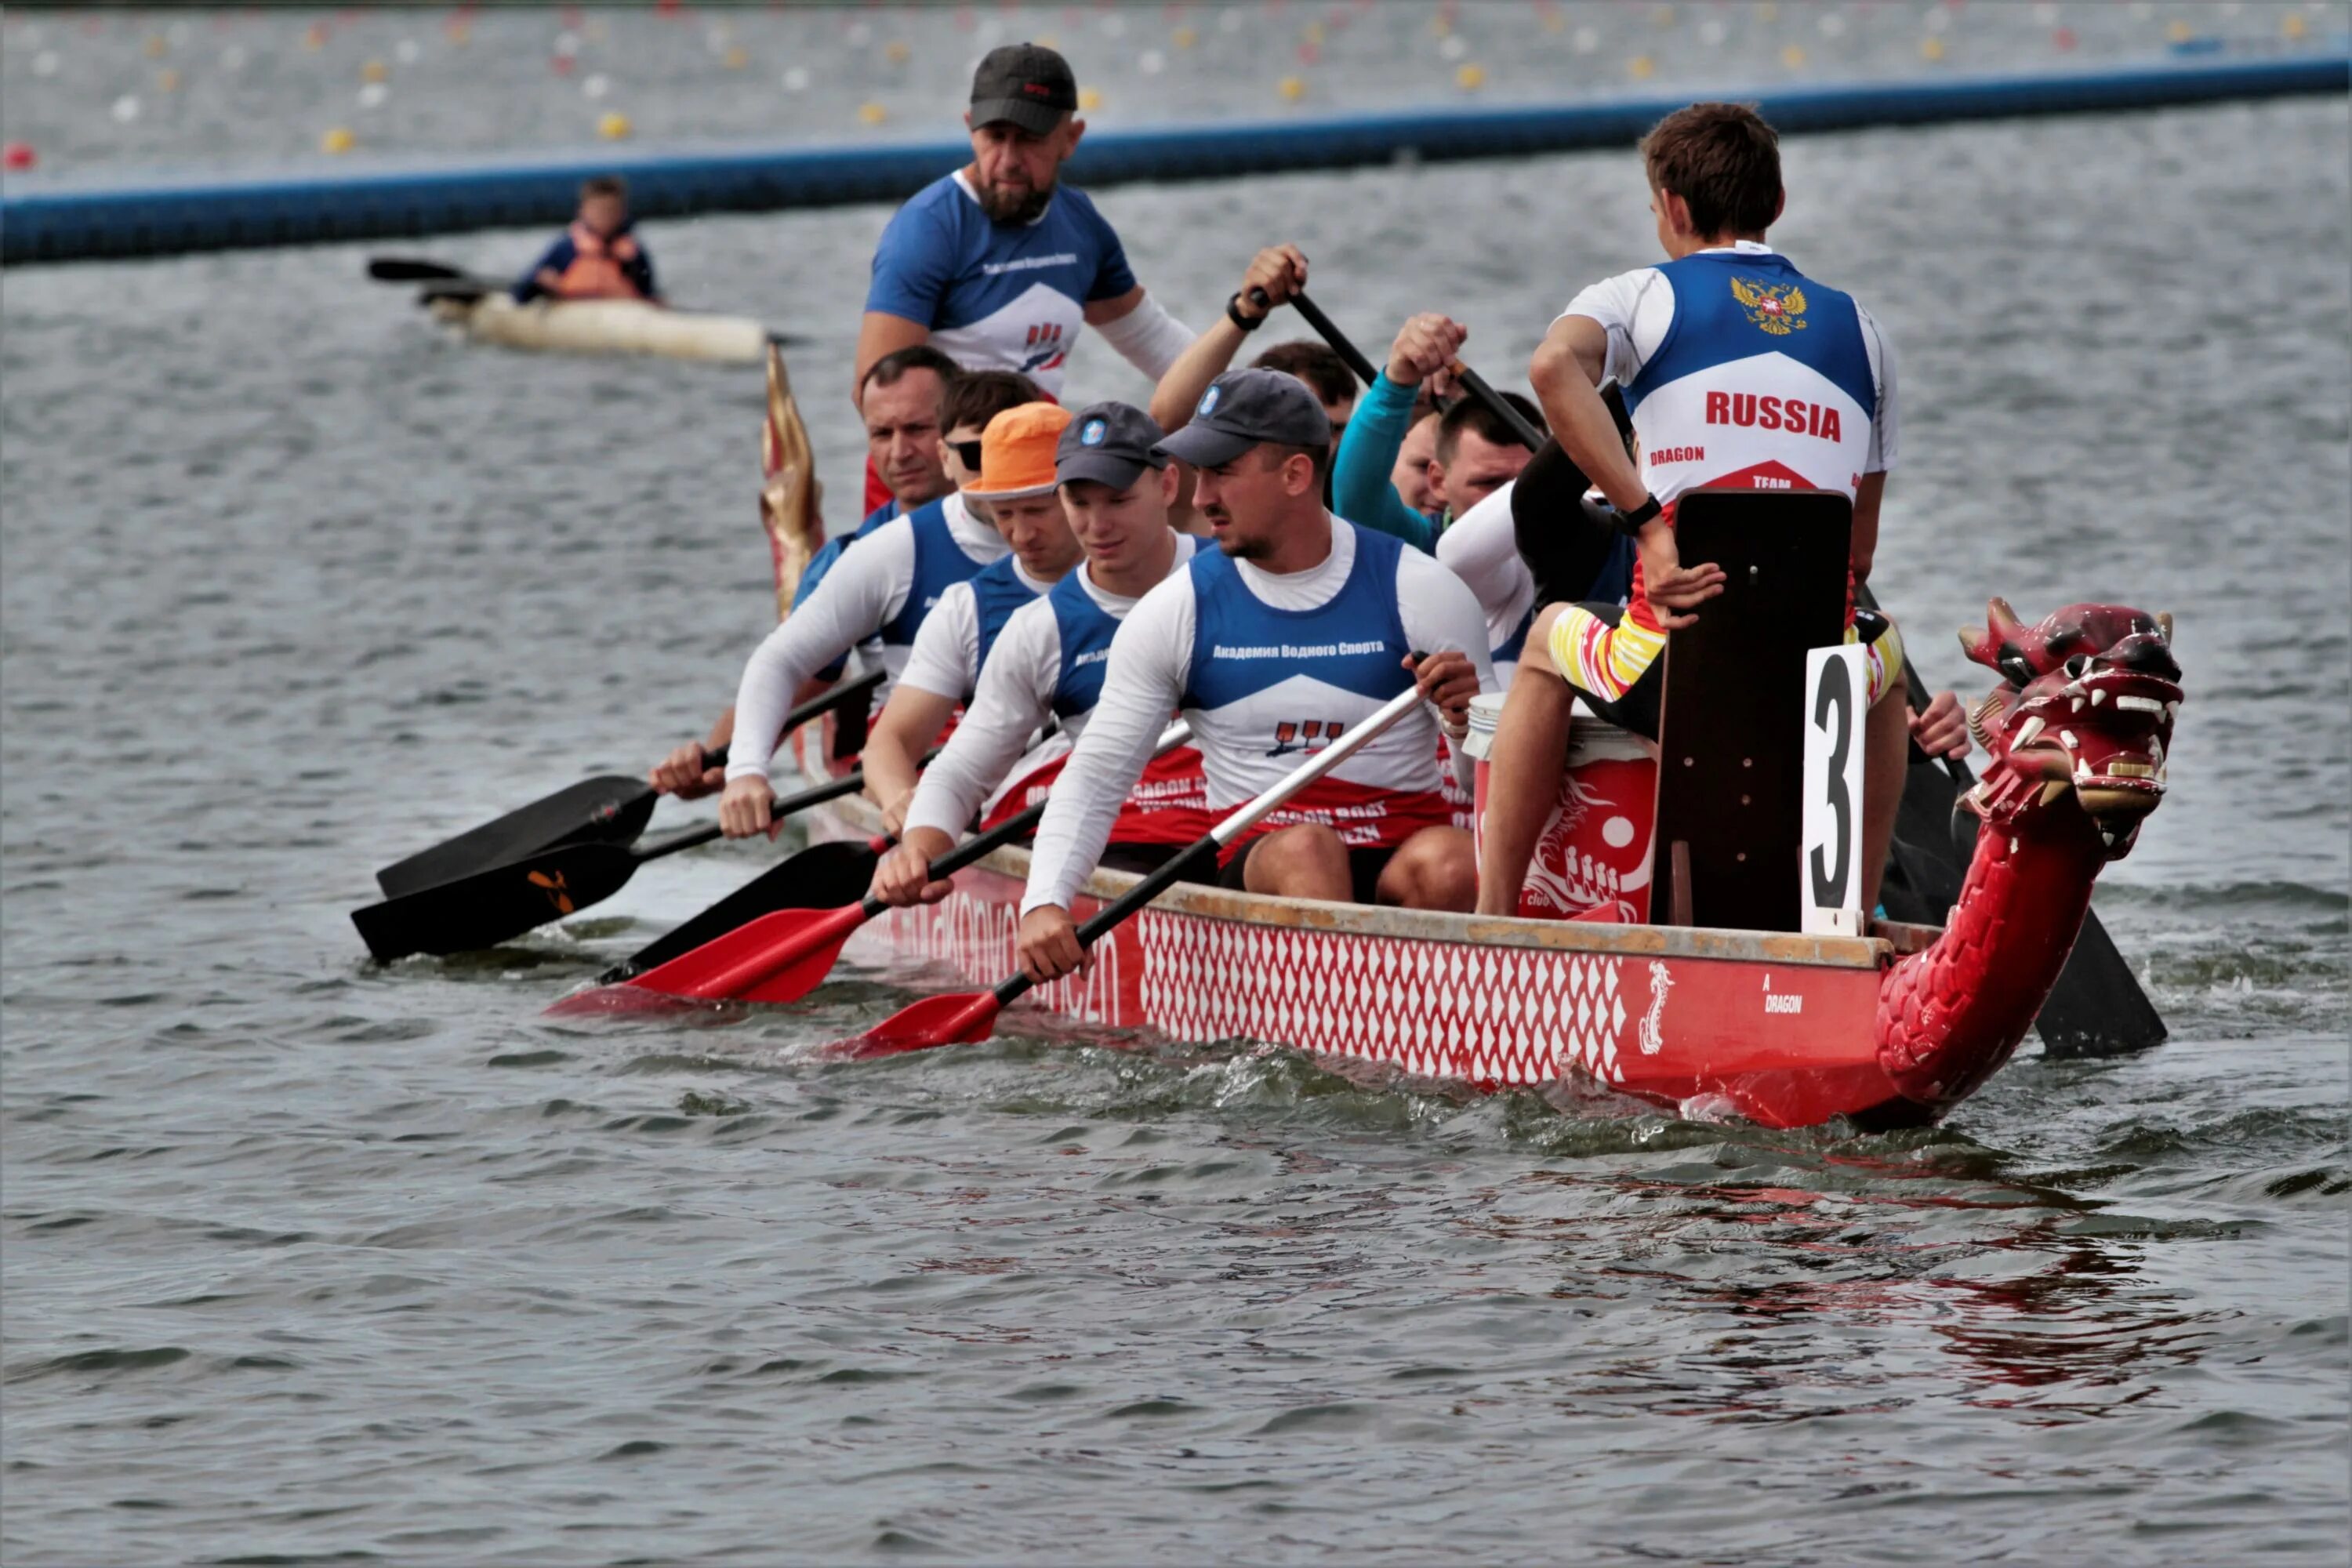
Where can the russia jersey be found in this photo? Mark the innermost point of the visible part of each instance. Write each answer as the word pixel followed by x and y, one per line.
pixel 1266 687
pixel 1762 378
pixel 998 296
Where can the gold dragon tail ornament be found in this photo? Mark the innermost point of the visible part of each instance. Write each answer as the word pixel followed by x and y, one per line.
pixel 790 494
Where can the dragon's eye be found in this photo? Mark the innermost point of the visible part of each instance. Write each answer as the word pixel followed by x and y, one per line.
pixel 2076 666
pixel 2013 666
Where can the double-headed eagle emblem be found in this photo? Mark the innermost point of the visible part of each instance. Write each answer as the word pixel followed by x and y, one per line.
pixel 1775 306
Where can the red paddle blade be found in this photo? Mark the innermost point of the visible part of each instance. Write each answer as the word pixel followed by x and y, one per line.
pixel 956 1019
pixel 780 957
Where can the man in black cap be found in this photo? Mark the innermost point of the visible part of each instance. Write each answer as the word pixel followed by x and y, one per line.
pixel 1296 627
pixel 998 265
pixel 1047 663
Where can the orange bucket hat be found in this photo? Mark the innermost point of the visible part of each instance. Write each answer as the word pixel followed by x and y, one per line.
pixel 1016 452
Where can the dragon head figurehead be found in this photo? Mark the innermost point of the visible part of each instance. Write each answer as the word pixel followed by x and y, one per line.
pixel 2085 710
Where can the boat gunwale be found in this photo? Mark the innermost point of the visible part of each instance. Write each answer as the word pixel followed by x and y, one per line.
pixel 862 820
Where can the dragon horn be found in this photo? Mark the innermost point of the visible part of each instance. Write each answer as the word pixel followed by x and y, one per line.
pixel 1983 644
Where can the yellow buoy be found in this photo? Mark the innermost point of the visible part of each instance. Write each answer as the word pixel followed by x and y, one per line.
pixel 872 113
pixel 459 33
pixel 1292 87
pixel 375 70
pixel 1642 67
pixel 1553 22
pixel 337 140
pixel 316 37
pixel 1184 38
pixel 1793 55
pixel 736 57
pixel 1089 98
pixel 614 127
pixel 1931 48
pixel 167 80
pixel 2293 26
pixel 897 52
pixel 1048 41
pixel 154 45
pixel 2179 32
pixel 1469 77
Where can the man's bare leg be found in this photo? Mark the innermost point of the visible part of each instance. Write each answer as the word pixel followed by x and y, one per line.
pixel 1436 868
pixel 1886 765
pixel 1523 770
pixel 1308 861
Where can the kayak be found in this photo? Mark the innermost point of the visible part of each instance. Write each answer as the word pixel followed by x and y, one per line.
pixel 605 326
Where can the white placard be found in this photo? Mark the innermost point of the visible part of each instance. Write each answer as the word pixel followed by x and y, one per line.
pixel 1837 688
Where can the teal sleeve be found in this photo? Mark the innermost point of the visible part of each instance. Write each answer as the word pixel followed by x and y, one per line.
pixel 1360 491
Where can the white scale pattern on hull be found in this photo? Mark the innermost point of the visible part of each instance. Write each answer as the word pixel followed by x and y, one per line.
pixel 1497 1015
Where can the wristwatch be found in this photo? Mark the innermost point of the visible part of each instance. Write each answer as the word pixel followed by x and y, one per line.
pixel 1631 523
pixel 1234 315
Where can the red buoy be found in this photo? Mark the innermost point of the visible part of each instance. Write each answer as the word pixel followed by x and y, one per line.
pixel 17 156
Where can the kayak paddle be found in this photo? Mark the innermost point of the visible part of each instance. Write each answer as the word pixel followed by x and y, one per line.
pixel 966 1017
pixel 612 808
pixel 783 956
pixel 503 901
pixel 417 270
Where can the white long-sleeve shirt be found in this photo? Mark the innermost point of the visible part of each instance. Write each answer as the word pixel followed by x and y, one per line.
pixel 1014 700
pixel 945 659
pixel 866 590
pixel 1482 548
pixel 1150 669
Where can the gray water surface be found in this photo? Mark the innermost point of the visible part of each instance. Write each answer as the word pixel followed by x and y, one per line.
pixel 305 1259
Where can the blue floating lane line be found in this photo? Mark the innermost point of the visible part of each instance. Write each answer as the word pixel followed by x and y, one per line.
pixel 169 219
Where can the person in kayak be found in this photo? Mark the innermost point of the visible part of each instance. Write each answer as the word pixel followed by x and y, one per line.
pixel 998 265
pixel 1296 626
pixel 1017 481
pixel 1740 372
pixel 599 257
pixel 1048 666
pixel 873 602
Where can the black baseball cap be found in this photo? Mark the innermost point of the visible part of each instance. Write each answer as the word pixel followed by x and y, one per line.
pixel 1110 443
pixel 1025 84
pixel 1244 408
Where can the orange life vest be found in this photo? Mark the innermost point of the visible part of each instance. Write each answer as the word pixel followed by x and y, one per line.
pixel 595 270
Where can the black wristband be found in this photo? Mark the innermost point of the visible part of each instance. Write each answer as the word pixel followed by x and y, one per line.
pixel 1234 315
pixel 1631 523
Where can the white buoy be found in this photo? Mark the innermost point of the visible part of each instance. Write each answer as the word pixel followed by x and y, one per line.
pixel 373 94
pixel 46 63
pixel 1230 22
pixel 1151 62
pixel 1585 39
pixel 1937 19
pixel 126 109
pixel 232 58
pixel 1711 33
pixel 596 86
pixel 1832 24
pixel 796 79
pixel 1451 48
pixel 408 51
pixel 858 35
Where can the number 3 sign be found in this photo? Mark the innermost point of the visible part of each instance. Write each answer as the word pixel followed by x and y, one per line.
pixel 1836 685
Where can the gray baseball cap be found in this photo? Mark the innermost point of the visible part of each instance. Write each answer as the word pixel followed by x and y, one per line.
pixel 1026 84
pixel 1244 408
pixel 1110 443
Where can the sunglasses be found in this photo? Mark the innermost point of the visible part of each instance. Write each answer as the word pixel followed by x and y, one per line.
pixel 967 453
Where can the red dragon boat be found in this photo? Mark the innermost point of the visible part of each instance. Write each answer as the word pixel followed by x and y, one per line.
pixel 1885 1029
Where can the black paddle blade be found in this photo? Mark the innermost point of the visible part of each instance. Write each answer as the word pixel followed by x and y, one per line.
pixel 613 809
pixel 489 906
pixel 411 269
pixel 823 877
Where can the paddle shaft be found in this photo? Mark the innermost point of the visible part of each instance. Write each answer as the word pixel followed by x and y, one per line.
pixel 1225 832
pixel 816 707
pixel 1472 381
